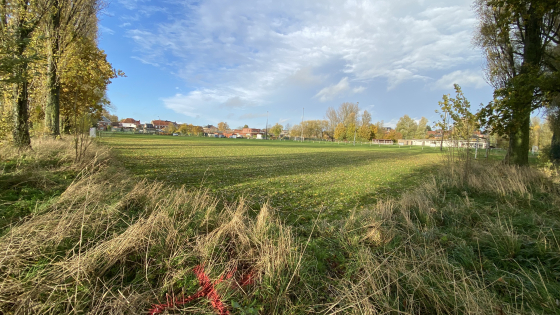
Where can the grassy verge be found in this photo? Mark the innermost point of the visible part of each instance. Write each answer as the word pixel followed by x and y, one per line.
pixel 30 181
pixel 482 241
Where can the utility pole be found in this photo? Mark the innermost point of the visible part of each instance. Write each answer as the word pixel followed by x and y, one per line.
pixel 303 114
pixel 266 128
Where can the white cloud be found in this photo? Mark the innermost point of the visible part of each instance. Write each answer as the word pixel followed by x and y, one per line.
pixel 155 64
pixel 185 104
pixel 464 78
pixel 391 123
pixel 106 30
pixel 196 102
pixel 250 50
pixel 399 76
pixel 359 89
pixel 252 116
pixel 334 90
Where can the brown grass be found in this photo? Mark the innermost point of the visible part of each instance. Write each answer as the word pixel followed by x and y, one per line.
pixel 76 255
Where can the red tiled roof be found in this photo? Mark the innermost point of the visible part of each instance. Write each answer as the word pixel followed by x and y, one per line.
pixel 131 121
pixel 161 122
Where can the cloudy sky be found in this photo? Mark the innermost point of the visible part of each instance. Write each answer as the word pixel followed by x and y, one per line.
pixel 208 61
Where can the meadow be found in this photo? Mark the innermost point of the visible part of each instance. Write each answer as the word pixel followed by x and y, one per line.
pixel 171 225
pixel 296 178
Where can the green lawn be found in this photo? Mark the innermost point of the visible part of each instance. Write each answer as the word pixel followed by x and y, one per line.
pixel 295 177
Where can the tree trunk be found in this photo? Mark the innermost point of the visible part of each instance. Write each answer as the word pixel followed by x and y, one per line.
pixel 52 108
pixel 20 132
pixel 555 143
pixel 21 115
pixel 518 151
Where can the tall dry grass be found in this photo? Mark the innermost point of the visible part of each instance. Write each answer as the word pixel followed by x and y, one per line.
pixel 110 244
pixel 460 243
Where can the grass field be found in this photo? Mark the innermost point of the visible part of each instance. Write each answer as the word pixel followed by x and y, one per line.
pixel 297 178
pixel 402 230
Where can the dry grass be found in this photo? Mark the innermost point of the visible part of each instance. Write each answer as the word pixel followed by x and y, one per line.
pixel 111 245
pixel 457 244
pixel 477 242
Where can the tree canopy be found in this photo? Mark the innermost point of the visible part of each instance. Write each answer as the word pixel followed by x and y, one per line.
pixel 516 36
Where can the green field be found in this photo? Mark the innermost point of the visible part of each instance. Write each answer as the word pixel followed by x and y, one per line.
pixel 296 178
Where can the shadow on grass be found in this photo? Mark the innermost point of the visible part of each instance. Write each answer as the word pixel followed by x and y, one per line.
pixel 231 170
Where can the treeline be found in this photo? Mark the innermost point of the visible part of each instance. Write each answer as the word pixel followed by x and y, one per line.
pixel 185 129
pixel 53 75
pixel 349 122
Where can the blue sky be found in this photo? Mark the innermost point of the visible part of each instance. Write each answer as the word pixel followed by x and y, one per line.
pixel 203 62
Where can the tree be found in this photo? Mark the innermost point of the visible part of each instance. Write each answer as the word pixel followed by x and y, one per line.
pixel 276 130
pixel 112 118
pixel 245 126
pixel 19 21
pixel 295 131
pixel 445 117
pixel 552 62
pixel 365 132
pixel 347 113
pixel 516 36
pixel 184 129
pixel 393 135
pixel 65 22
pixel 464 121
pixel 374 131
pixel 84 82
pixel 340 132
pixel 332 118
pixel 170 128
pixel 223 126
pixel 407 127
pixel 366 118
pixel 351 131
pixel 197 130
pixel 422 128
pixel 379 130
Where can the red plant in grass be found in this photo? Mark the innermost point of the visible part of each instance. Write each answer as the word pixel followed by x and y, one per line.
pixel 208 290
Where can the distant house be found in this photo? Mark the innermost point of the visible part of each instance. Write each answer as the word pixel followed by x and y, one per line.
pixel 147 128
pixel 252 133
pixel 382 141
pixel 162 124
pixel 446 143
pixel 131 121
pixel 116 126
pixel 103 123
pixel 236 133
pixel 130 124
pixel 434 134
pixel 208 129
